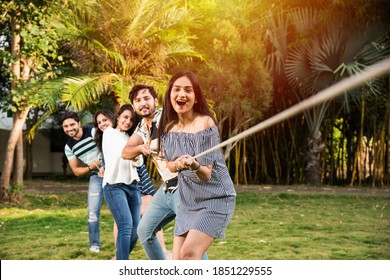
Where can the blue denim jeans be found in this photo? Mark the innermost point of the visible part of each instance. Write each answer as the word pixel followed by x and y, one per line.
pixel 95 197
pixel 124 202
pixel 160 212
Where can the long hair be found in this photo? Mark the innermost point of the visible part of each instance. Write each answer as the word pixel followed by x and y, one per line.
pixel 169 114
pixel 98 133
pixel 133 117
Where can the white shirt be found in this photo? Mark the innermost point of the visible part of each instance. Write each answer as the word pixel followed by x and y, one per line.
pixel 117 169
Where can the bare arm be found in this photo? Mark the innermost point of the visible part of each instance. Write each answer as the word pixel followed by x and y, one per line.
pixel 134 147
pixel 203 172
pixel 79 168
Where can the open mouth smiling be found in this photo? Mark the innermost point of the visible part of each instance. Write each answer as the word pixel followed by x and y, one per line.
pixel 181 102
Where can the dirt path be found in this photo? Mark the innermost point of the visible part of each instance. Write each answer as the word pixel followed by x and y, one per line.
pixel 42 186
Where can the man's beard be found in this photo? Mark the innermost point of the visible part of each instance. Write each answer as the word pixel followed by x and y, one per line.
pixel 148 114
pixel 75 132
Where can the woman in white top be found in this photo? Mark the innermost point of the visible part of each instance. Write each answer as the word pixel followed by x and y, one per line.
pixel 120 189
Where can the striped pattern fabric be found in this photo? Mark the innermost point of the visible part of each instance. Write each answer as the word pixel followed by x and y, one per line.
pixel 204 206
pixel 145 182
pixel 151 138
pixel 84 149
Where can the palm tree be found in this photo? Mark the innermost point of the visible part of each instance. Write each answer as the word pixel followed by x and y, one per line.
pixel 336 52
pixel 117 43
pixel 323 55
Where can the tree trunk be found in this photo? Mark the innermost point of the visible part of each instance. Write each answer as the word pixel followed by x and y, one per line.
pixel 19 119
pixel 313 167
pixel 18 161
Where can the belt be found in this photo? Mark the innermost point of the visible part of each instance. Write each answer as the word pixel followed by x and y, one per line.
pixel 171 189
pixel 134 182
pixel 170 185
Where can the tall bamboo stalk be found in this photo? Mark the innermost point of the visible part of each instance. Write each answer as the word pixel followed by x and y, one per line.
pixel 375 148
pixel 244 161
pixel 381 166
pixel 237 151
pixel 257 155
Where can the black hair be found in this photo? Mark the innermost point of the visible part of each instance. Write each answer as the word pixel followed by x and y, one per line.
pixel 134 91
pixel 169 114
pixel 133 117
pixel 98 138
pixel 70 115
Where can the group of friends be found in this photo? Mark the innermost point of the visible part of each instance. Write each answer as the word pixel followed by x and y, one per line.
pixel 198 193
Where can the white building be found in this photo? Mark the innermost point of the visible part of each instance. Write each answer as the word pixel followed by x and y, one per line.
pixel 47 155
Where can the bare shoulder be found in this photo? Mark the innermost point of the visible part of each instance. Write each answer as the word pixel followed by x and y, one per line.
pixel 205 122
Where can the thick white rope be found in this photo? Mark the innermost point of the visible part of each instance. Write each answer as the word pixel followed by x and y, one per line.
pixel 333 91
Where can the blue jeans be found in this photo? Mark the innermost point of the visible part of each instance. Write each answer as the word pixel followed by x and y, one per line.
pixel 124 202
pixel 160 212
pixel 95 195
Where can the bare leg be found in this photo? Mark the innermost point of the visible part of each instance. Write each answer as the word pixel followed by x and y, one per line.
pixel 192 246
pixel 161 240
pixel 177 244
pixel 146 199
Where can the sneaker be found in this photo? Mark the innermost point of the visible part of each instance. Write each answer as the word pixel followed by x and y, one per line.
pixel 168 255
pixel 94 249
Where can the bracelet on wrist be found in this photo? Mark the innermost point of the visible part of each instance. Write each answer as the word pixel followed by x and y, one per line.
pixel 197 168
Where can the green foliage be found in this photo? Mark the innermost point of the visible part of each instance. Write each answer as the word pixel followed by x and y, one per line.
pixel 113 44
pixel 233 74
pixel 38 55
pixel 312 47
pixel 333 53
pixel 118 43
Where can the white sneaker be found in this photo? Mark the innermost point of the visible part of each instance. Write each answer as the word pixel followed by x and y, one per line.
pixel 94 249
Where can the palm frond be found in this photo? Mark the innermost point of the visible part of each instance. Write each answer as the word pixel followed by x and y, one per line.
pixel 298 66
pixel 303 19
pixel 315 116
pixel 80 91
pixel 277 38
pixel 121 89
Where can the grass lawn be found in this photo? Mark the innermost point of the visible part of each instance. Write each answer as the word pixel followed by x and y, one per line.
pixel 266 225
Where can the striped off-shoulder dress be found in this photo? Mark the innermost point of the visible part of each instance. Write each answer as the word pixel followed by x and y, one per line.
pixel 204 206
